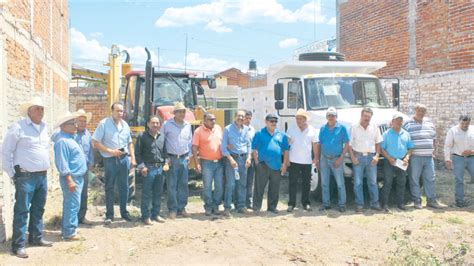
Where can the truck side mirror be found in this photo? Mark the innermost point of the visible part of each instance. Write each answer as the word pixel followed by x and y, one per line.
pixel 278 92
pixel 279 105
pixel 396 94
pixel 211 83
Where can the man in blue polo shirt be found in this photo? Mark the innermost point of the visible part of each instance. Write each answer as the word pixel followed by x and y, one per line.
pixel 333 145
pixel 268 145
pixel 396 146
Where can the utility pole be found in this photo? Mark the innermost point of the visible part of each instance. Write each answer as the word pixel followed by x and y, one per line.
pixel 158 63
pixel 186 54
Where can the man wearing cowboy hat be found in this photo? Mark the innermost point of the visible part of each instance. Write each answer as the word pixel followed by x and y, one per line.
pixel 72 166
pixel 178 141
pixel 302 139
pixel 113 139
pixel 84 138
pixel 25 156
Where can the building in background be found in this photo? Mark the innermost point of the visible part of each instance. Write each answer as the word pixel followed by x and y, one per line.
pixel 428 46
pixel 34 61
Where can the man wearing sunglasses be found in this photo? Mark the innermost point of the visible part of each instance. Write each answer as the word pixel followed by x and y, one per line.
pixel 268 145
pixel 207 155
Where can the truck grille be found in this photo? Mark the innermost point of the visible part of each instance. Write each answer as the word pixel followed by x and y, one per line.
pixel 383 128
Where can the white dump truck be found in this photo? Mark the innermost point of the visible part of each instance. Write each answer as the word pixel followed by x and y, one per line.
pixel 316 85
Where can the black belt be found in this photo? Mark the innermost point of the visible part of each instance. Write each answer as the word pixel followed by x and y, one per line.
pixel 30 174
pixel 235 155
pixel 178 156
pixel 158 165
pixel 462 156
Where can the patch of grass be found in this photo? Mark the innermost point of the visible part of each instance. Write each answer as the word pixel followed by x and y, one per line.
pixel 192 199
pixel 429 226
pixel 411 252
pixel 54 222
pixel 77 249
pixel 455 220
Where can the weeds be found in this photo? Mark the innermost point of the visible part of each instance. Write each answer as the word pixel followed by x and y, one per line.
pixel 411 252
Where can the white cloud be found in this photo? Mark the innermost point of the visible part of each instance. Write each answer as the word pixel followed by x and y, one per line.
pixel 202 65
pixel 96 35
pixel 286 43
pixel 217 26
pixel 332 21
pixel 91 53
pixel 219 13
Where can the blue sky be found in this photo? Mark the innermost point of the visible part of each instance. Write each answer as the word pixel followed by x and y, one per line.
pixel 221 33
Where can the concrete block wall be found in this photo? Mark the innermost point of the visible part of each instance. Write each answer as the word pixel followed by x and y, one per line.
pixel 34 61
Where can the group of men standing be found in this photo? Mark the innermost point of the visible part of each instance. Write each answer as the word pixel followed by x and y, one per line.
pixel 236 163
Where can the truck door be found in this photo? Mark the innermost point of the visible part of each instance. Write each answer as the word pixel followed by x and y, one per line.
pixel 293 99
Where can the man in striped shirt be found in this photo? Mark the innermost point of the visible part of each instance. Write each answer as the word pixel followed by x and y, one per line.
pixel 423 135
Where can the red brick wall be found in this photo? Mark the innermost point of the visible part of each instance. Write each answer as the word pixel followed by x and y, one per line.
pixel 375 31
pixel 18 60
pixel 94 103
pixel 378 31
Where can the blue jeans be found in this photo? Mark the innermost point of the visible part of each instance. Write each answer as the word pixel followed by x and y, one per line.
pixel 250 184
pixel 327 167
pixel 231 183
pixel 365 165
pixel 71 206
pixel 177 184
pixel 30 198
pixel 212 171
pixel 151 193
pixel 459 166
pixel 116 170
pixel 422 167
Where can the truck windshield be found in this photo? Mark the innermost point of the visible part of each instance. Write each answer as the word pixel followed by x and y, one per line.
pixel 344 92
pixel 167 92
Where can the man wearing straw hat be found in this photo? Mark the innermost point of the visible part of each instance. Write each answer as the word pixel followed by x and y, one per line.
pixel 72 166
pixel 302 139
pixel 178 141
pixel 84 138
pixel 25 156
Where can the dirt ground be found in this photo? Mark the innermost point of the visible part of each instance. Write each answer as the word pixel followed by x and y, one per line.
pixel 300 237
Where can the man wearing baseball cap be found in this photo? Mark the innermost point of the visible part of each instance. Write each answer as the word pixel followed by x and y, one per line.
pixel 268 145
pixel 333 145
pixel 396 145
pixel 25 156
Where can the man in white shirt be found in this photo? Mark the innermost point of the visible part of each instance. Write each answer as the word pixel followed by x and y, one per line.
pixel 365 150
pixel 302 139
pixel 459 154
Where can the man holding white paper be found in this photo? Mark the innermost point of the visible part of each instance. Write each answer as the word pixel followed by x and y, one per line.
pixel 396 148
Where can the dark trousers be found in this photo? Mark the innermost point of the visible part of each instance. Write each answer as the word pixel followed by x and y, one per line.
pixel 304 171
pixel 30 198
pixel 116 171
pixel 391 172
pixel 83 209
pixel 265 175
